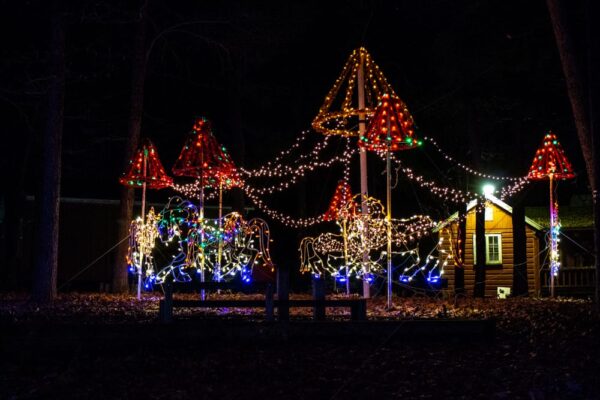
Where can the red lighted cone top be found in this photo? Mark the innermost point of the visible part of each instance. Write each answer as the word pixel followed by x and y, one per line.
pixel 224 174
pixel 401 127
pixel 155 176
pixel 339 202
pixel 202 156
pixel 550 159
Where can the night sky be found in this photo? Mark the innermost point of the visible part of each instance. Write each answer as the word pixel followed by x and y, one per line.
pixel 487 71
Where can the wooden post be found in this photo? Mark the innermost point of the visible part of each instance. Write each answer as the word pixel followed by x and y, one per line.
pixel 364 191
pixel 358 311
pixel 269 302
pixel 166 305
pixel 283 293
pixel 319 299
pixel 480 246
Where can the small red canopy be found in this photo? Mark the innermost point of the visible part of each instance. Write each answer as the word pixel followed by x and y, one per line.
pixel 401 135
pixel 202 156
pixel 339 202
pixel 549 160
pixel 155 176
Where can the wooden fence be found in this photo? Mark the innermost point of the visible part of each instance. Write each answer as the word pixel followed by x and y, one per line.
pixel 571 281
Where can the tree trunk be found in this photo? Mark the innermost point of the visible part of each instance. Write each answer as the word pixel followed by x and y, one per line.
pixel 44 284
pixel 574 80
pixel 520 283
pixel 480 246
pixel 593 13
pixel 138 76
pixel 459 270
pixel 586 121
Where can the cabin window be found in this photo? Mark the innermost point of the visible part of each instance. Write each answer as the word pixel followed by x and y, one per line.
pixel 493 248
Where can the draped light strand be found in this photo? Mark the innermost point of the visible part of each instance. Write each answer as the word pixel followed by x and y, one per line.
pixel 278 216
pixel 278 169
pixel 466 167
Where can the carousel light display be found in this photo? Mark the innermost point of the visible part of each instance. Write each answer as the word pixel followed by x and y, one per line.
pixel 340 113
pixel 391 129
pixel 341 255
pixel 204 159
pixel 145 171
pixel 550 162
pixel 232 246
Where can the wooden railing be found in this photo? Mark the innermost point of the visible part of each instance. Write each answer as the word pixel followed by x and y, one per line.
pixel 571 281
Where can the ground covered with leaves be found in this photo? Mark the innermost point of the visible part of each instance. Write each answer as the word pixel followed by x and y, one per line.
pixel 99 346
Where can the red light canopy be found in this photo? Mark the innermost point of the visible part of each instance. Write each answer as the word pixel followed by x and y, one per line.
pixel 341 198
pixel 155 176
pixel 401 127
pixel 550 159
pixel 203 157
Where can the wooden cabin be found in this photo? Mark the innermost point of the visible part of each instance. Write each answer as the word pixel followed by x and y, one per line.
pixel 499 264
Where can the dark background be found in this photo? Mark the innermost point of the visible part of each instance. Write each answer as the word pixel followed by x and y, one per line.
pixel 481 77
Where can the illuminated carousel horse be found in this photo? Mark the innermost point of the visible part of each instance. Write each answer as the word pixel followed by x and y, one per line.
pixel 341 255
pixel 204 247
pixel 142 239
pixel 246 246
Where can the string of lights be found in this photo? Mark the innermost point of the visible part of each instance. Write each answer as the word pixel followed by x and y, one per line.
pixel 466 168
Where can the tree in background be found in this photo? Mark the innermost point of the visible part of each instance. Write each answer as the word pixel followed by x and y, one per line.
pixel 44 285
pixel 582 88
pixel 138 77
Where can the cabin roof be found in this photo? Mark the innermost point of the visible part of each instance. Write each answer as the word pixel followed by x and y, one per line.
pixel 570 217
pixel 498 203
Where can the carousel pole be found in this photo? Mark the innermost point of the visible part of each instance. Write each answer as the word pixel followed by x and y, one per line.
pixel 345 236
pixel 553 237
pixel 220 246
pixel 389 214
pixel 202 277
pixel 363 170
pixel 141 266
pixel 202 263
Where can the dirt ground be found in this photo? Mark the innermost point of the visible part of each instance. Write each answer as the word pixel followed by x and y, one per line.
pixel 99 346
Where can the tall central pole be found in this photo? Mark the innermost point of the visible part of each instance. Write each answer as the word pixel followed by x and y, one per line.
pixel 363 171
pixel 389 213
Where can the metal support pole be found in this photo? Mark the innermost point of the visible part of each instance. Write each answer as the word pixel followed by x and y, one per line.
pixel 220 237
pixel 202 263
pixel 345 236
pixel 389 220
pixel 363 171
